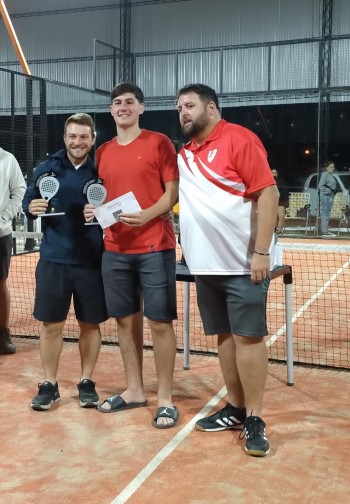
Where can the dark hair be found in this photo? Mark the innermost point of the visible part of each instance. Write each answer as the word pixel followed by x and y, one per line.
pixel 327 163
pixel 83 119
pixel 127 87
pixel 205 93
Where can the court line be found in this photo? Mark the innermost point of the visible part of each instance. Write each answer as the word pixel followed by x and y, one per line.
pixel 146 472
pixel 313 298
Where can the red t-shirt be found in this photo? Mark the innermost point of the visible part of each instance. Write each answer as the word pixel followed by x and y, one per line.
pixel 143 167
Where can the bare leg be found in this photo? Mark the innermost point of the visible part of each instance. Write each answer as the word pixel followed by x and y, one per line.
pixel 4 305
pixel 130 340
pixel 227 359
pixel 252 361
pixel 164 343
pixel 89 347
pixel 281 219
pixel 51 344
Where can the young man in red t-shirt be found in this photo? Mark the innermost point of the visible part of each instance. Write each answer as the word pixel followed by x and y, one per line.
pixel 140 250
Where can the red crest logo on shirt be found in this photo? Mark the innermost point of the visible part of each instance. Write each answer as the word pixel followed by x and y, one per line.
pixel 211 155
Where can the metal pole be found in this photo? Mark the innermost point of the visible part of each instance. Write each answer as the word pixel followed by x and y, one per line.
pixel 186 327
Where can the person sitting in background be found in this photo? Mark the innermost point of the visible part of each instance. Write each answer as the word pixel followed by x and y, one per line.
pixel 283 202
pixel 327 187
pixel 13 187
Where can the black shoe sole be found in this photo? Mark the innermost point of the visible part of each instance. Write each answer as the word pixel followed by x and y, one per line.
pixel 88 404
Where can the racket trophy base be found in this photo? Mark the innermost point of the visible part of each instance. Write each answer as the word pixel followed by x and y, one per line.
pixel 53 214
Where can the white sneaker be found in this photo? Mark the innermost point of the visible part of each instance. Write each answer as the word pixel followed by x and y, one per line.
pixel 328 235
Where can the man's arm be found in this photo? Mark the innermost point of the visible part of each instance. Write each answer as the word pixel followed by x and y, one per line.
pixel 164 204
pixel 33 205
pixel 17 188
pixel 267 215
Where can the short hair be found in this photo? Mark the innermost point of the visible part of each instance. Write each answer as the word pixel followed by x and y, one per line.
pixel 127 87
pixel 83 119
pixel 205 93
pixel 327 163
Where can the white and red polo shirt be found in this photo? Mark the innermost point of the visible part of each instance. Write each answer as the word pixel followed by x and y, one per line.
pixel 218 209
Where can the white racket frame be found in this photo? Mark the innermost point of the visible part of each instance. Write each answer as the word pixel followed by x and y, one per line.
pixel 93 201
pixel 48 195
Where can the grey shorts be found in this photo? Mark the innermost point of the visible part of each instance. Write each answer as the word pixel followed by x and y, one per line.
pixel 125 276
pixel 5 256
pixel 232 304
pixel 57 284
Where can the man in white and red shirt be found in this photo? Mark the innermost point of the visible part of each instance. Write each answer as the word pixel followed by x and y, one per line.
pixel 228 209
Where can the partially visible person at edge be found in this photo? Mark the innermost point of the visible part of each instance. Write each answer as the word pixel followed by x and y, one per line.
pixel 140 250
pixel 70 262
pixel 12 188
pixel 228 201
pixel 327 187
pixel 283 201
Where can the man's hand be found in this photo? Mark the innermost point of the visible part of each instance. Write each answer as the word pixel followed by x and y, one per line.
pixel 168 216
pixel 88 213
pixel 260 268
pixel 135 219
pixel 38 206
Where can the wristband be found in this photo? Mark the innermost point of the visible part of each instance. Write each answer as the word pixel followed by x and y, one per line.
pixel 260 253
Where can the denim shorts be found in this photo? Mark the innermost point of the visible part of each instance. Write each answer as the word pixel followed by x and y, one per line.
pixel 126 276
pixel 232 304
pixel 5 256
pixel 57 284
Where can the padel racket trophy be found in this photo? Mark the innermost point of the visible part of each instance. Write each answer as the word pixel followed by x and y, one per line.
pixel 48 186
pixel 95 193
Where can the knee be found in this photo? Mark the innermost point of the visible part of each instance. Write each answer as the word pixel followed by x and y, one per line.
pixel 51 331
pixel 161 328
pixel 89 328
pixel 3 286
pixel 245 341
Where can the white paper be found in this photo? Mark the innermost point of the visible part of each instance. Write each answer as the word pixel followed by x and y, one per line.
pixel 108 213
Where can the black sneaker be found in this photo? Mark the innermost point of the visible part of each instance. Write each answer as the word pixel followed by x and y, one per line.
pixel 6 345
pixel 47 394
pixel 87 394
pixel 256 443
pixel 228 417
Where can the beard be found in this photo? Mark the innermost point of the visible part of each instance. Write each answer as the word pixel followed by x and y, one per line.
pixel 196 126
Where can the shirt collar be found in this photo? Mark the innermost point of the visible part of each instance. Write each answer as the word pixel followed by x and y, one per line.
pixel 214 135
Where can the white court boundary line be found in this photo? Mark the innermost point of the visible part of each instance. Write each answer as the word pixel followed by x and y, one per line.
pixel 142 476
pixel 313 298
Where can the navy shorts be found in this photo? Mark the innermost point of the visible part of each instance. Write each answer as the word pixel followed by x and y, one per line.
pixel 232 304
pixel 57 284
pixel 153 273
pixel 5 256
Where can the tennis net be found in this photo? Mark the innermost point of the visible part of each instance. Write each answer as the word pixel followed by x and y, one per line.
pixel 320 312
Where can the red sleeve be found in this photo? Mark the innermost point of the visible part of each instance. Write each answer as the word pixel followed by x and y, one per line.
pixel 253 165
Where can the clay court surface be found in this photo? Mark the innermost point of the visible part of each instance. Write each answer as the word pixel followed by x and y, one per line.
pixel 71 455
